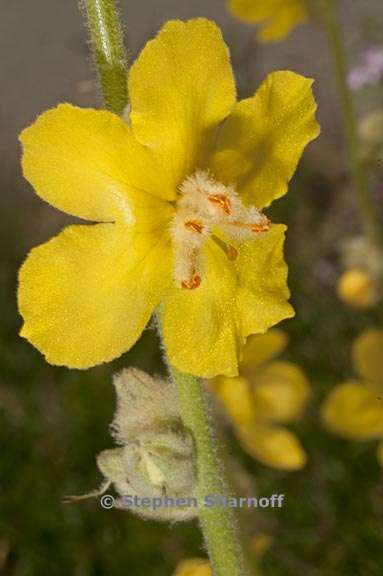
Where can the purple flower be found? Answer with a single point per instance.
(370, 70)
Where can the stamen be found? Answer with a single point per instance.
(261, 227)
(194, 282)
(229, 250)
(193, 225)
(264, 227)
(222, 200)
(205, 207)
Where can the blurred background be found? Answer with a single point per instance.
(54, 421)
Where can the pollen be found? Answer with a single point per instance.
(195, 226)
(194, 282)
(222, 200)
(207, 210)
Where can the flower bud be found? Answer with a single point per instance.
(155, 456)
(370, 129)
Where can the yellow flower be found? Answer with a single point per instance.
(276, 17)
(194, 567)
(177, 192)
(266, 394)
(354, 409)
(357, 288)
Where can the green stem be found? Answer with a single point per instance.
(109, 53)
(218, 524)
(364, 199)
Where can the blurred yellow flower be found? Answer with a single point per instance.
(194, 567)
(360, 285)
(267, 393)
(357, 288)
(276, 18)
(354, 409)
(176, 192)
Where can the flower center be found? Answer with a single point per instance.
(205, 205)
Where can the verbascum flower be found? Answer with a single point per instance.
(266, 394)
(177, 193)
(194, 567)
(357, 288)
(276, 18)
(360, 285)
(354, 409)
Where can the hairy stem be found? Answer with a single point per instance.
(365, 202)
(218, 524)
(108, 50)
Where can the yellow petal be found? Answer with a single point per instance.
(281, 392)
(261, 348)
(367, 353)
(181, 87)
(276, 17)
(354, 411)
(236, 396)
(87, 163)
(380, 453)
(357, 288)
(205, 328)
(274, 447)
(87, 294)
(194, 567)
(260, 144)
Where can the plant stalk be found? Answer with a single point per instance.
(218, 524)
(365, 202)
(108, 49)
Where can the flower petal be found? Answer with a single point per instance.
(367, 353)
(87, 294)
(354, 411)
(281, 392)
(87, 163)
(260, 144)
(236, 396)
(275, 447)
(181, 87)
(261, 348)
(277, 17)
(205, 328)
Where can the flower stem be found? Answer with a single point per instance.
(108, 50)
(218, 524)
(364, 199)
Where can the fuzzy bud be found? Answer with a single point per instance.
(155, 456)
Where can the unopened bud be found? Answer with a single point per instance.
(155, 457)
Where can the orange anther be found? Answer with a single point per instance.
(196, 226)
(194, 282)
(253, 227)
(261, 227)
(222, 200)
